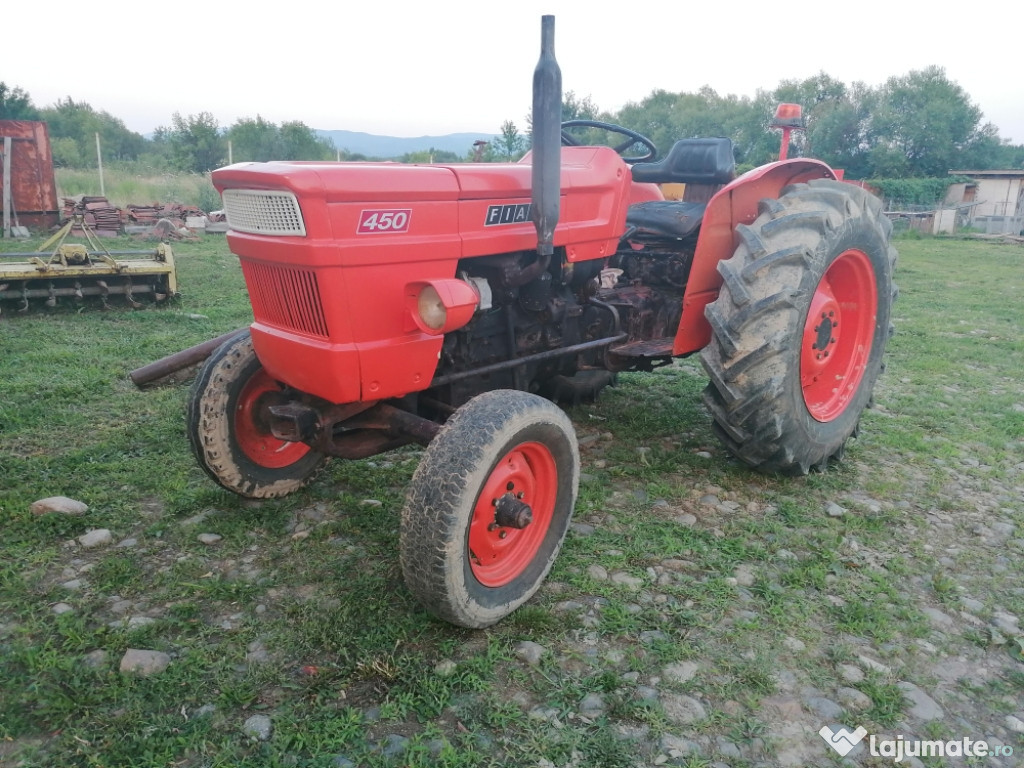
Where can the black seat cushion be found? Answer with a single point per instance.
(664, 219)
(691, 161)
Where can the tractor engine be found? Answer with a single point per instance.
(531, 306)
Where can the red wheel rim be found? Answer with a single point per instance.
(498, 554)
(838, 335)
(252, 435)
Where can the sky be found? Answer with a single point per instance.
(432, 68)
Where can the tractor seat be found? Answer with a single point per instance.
(691, 161)
(703, 165)
(664, 219)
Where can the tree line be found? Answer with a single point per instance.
(920, 124)
(193, 143)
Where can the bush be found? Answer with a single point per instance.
(209, 198)
(907, 192)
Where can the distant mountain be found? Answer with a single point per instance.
(371, 145)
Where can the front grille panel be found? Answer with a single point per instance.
(285, 297)
(263, 212)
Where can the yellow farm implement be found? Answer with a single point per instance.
(58, 269)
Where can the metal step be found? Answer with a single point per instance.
(645, 349)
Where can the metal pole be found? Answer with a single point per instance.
(99, 164)
(165, 366)
(8, 198)
(230, 156)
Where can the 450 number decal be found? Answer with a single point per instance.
(379, 221)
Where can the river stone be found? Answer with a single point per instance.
(853, 699)
(96, 538)
(680, 672)
(681, 709)
(530, 652)
(922, 706)
(627, 580)
(592, 705)
(258, 727)
(144, 663)
(62, 505)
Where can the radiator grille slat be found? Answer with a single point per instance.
(286, 297)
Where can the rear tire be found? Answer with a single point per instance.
(456, 559)
(800, 326)
(226, 432)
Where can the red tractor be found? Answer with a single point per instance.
(450, 305)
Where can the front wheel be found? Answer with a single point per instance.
(800, 326)
(489, 506)
(228, 431)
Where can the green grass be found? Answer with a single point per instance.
(123, 187)
(351, 657)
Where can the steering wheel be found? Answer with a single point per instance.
(633, 137)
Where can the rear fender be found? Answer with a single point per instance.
(736, 203)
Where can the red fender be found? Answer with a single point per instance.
(734, 204)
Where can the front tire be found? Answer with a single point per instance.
(501, 448)
(800, 326)
(227, 432)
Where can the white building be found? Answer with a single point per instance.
(999, 198)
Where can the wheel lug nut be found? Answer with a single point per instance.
(502, 534)
(818, 356)
(493, 526)
(520, 494)
(510, 486)
(831, 314)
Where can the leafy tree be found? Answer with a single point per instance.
(666, 117)
(255, 140)
(575, 108)
(73, 127)
(510, 145)
(923, 124)
(1005, 155)
(300, 142)
(16, 104)
(196, 142)
(260, 140)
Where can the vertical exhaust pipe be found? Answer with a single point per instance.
(547, 142)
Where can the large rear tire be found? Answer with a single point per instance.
(501, 454)
(800, 326)
(227, 431)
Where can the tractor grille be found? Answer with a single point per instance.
(263, 212)
(287, 298)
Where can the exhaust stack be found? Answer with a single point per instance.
(547, 143)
